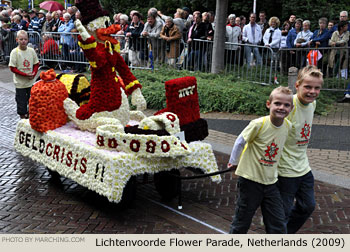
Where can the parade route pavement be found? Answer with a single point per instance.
(32, 202)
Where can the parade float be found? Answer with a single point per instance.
(86, 132)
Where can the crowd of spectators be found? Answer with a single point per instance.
(174, 39)
(50, 33)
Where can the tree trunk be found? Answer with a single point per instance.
(218, 63)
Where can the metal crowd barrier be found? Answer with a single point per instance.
(251, 62)
(7, 44)
(61, 50)
(257, 64)
(332, 61)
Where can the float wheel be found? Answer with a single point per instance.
(167, 185)
(129, 193)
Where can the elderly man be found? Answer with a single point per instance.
(152, 30)
(49, 23)
(343, 16)
(71, 12)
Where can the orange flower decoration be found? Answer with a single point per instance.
(46, 111)
(105, 33)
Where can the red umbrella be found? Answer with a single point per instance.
(51, 6)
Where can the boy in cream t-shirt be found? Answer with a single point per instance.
(24, 64)
(257, 151)
(295, 179)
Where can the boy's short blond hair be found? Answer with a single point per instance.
(309, 71)
(21, 32)
(280, 90)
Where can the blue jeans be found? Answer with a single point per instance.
(248, 51)
(195, 60)
(251, 195)
(302, 189)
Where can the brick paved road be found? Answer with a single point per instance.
(30, 202)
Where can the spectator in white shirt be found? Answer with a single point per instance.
(302, 41)
(272, 36)
(233, 32)
(252, 36)
(304, 36)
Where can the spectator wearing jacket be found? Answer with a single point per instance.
(292, 34)
(66, 40)
(320, 36)
(330, 25)
(49, 23)
(320, 39)
(302, 41)
(233, 33)
(195, 48)
(56, 16)
(42, 19)
(264, 25)
(178, 19)
(133, 33)
(172, 36)
(152, 30)
(49, 50)
(272, 36)
(343, 16)
(284, 33)
(292, 20)
(252, 36)
(338, 57)
(292, 54)
(16, 25)
(34, 25)
(123, 22)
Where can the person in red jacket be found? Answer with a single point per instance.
(49, 50)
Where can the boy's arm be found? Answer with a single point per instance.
(35, 69)
(236, 152)
(16, 71)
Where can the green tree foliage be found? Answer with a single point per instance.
(306, 9)
(312, 10)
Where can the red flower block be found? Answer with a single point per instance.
(182, 99)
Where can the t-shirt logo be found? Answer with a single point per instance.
(271, 151)
(305, 131)
(26, 63)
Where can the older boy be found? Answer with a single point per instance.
(24, 64)
(295, 179)
(263, 141)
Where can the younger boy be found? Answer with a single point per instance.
(24, 64)
(263, 141)
(295, 179)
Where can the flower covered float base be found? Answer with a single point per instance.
(73, 153)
